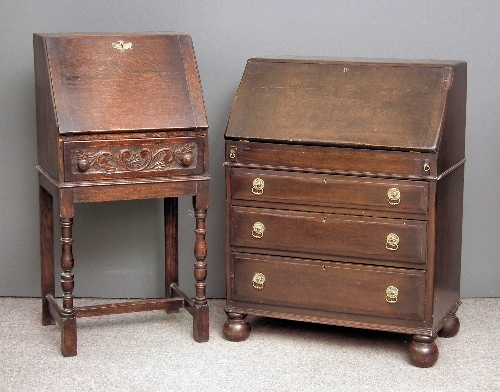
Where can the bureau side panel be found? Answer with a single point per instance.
(448, 244)
(452, 143)
(228, 234)
(46, 122)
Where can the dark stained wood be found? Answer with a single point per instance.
(304, 233)
(128, 307)
(155, 79)
(350, 103)
(132, 158)
(119, 117)
(332, 160)
(423, 351)
(327, 190)
(46, 252)
(344, 188)
(171, 221)
(450, 328)
(347, 288)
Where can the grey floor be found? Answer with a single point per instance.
(154, 351)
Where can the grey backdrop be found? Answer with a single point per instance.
(118, 246)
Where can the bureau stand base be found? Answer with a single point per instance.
(423, 351)
(175, 298)
(66, 318)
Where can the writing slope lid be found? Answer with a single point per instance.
(344, 103)
(107, 83)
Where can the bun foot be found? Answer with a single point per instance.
(236, 328)
(450, 328)
(423, 351)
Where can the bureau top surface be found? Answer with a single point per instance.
(115, 82)
(343, 102)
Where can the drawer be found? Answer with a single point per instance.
(329, 190)
(332, 235)
(332, 160)
(132, 158)
(339, 287)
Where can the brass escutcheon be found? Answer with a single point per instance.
(258, 280)
(258, 186)
(392, 241)
(122, 46)
(394, 196)
(258, 230)
(391, 294)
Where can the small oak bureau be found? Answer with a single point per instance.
(119, 117)
(344, 183)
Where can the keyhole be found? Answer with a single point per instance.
(324, 219)
(323, 267)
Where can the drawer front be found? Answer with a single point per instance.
(132, 158)
(340, 287)
(328, 190)
(332, 235)
(333, 160)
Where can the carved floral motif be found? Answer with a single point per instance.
(134, 159)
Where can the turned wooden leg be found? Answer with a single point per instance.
(170, 212)
(450, 328)
(200, 315)
(236, 328)
(68, 327)
(423, 351)
(46, 252)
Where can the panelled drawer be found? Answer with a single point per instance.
(327, 190)
(333, 235)
(340, 287)
(131, 158)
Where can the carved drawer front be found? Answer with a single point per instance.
(340, 287)
(328, 190)
(132, 158)
(331, 235)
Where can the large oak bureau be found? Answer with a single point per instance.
(344, 183)
(119, 117)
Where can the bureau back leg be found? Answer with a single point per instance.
(450, 328)
(46, 252)
(170, 211)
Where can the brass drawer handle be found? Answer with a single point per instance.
(392, 242)
(258, 230)
(258, 280)
(258, 186)
(391, 294)
(394, 196)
